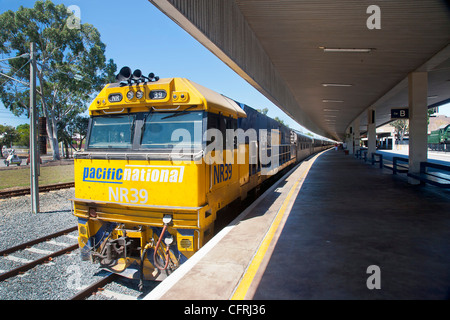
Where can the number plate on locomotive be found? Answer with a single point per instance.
(158, 94)
(115, 97)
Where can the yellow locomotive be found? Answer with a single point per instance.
(162, 158)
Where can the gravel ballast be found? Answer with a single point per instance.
(65, 275)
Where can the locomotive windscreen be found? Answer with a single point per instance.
(112, 132)
(165, 130)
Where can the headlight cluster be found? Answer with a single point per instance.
(131, 94)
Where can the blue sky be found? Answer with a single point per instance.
(138, 35)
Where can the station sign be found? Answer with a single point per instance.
(399, 113)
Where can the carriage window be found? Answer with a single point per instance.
(111, 132)
(173, 129)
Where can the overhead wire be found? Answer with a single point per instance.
(25, 55)
(11, 77)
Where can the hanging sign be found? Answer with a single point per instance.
(399, 113)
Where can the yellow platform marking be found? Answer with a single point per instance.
(249, 275)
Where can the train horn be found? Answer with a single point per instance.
(151, 77)
(124, 74)
(137, 75)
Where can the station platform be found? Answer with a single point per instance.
(319, 232)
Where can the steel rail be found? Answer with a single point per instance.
(36, 262)
(94, 287)
(36, 241)
(46, 188)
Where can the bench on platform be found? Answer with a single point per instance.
(378, 156)
(364, 155)
(359, 153)
(397, 165)
(439, 178)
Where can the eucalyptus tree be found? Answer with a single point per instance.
(71, 63)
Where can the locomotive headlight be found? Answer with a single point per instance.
(82, 230)
(130, 95)
(185, 243)
(139, 94)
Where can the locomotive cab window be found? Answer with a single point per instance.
(223, 124)
(112, 132)
(163, 130)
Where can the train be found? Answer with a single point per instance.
(439, 139)
(163, 160)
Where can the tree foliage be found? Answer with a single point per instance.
(8, 135)
(280, 121)
(79, 128)
(263, 111)
(401, 128)
(74, 133)
(71, 64)
(23, 132)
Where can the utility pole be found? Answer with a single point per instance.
(34, 152)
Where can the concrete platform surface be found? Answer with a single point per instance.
(216, 269)
(333, 229)
(349, 216)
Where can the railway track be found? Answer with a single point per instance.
(88, 291)
(46, 188)
(33, 263)
(98, 287)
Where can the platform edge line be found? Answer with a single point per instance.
(244, 285)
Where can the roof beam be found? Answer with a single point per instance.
(212, 23)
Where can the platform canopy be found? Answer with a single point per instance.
(326, 62)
